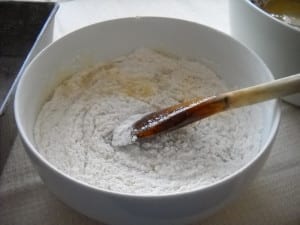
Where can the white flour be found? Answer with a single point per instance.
(74, 128)
(122, 134)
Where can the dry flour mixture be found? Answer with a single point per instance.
(74, 128)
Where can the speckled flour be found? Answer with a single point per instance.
(74, 128)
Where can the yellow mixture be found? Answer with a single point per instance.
(285, 10)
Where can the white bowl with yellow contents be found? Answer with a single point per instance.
(234, 63)
(275, 41)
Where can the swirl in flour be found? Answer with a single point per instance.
(74, 128)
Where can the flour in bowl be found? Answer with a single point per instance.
(75, 127)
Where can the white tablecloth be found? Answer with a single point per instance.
(274, 196)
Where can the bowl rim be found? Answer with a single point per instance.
(32, 150)
(268, 15)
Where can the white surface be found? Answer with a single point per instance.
(274, 196)
(78, 13)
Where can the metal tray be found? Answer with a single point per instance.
(25, 29)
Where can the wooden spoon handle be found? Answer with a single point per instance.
(262, 92)
(190, 111)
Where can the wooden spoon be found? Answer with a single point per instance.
(187, 112)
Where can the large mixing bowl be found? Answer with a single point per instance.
(237, 65)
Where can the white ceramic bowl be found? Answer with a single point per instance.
(237, 65)
(276, 42)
